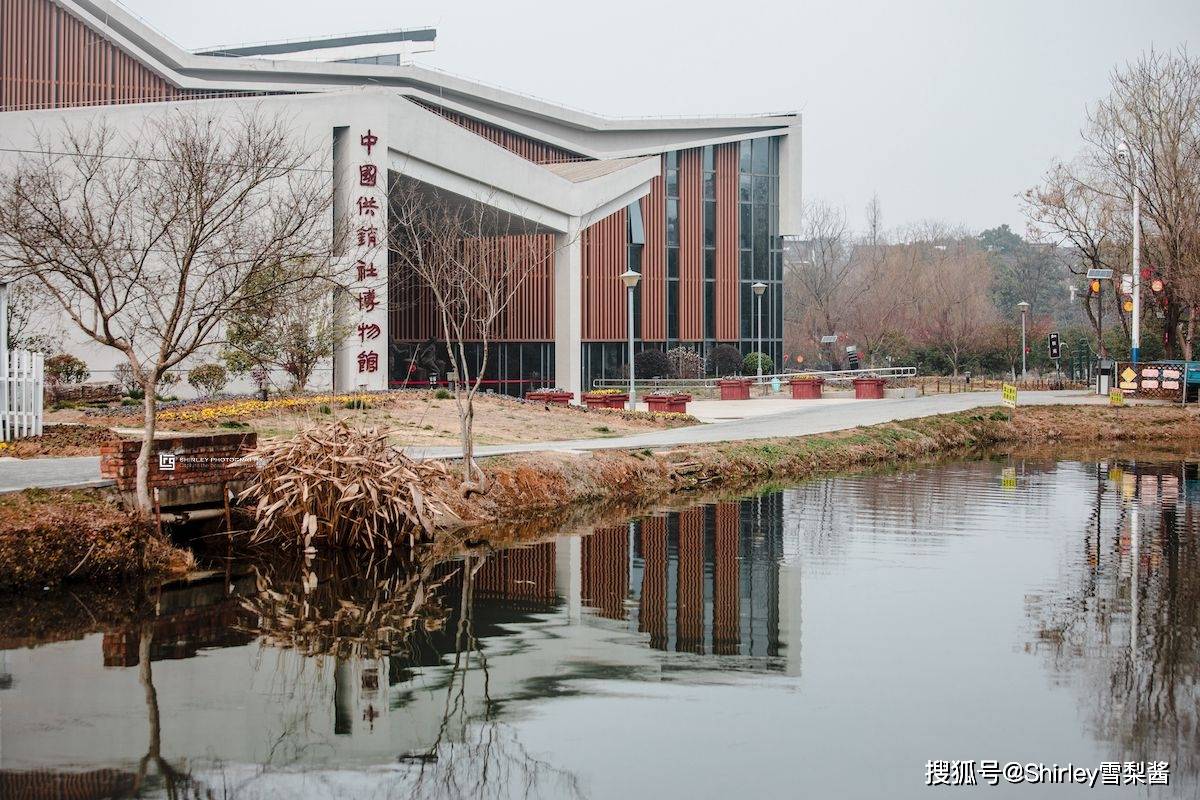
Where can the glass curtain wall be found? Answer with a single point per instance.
(760, 245)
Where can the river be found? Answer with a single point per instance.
(860, 636)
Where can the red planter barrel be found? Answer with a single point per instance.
(868, 388)
(553, 398)
(668, 403)
(605, 400)
(734, 388)
(809, 389)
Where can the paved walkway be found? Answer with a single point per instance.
(800, 419)
(76, 472)
(793, 418)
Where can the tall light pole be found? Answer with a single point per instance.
(759, 288)
(630, 279)
(3, 361)
(1024, 311)
(1135, 335)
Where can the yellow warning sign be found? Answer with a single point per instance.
(1008, 395)
(1128, 375)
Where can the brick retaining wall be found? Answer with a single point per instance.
(203, 459)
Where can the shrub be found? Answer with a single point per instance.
(724, 360)
(65, 369)
(750, 365)
(442, 394)
(652, 364)
(123, 375)
(208, 379)
(324, 409)
(686, 362)
(356, 404)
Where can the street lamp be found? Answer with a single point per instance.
(759, 288)
(1135, 333)
(3, 361)
(1024, 311)
(630, 279)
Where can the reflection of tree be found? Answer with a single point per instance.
(1128, 624)
(474, 757)
(175, 783)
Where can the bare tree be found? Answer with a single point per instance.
(147, 242)
(879, 301)
(473, 260)
(1145, 133)
(955, 309)
(819, 274)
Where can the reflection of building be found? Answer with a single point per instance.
(699, 206)
(709, 582)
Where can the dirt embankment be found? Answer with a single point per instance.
(551, 484)
(48, 537)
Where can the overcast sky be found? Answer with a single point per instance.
(946, 109)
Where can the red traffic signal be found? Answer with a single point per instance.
(1156, 285)
(1146, 273)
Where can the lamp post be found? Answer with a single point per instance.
(630, 279)
(1024, 311)
(759, 287)
(3, 361)
(1135, 331)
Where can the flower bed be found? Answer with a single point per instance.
(675, 403)
(806, 387)
(554, 397)
(868, 388)
(734, 388)
(605, 398)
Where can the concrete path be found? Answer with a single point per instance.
(76, 472)
(800, 419)
(788, 418)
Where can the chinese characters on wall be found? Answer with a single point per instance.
(368, 210)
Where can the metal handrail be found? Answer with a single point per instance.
(828, 375)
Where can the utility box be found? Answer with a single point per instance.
(1104, 376)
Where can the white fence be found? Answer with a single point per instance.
(21, 375)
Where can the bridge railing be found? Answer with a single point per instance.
(703, 387)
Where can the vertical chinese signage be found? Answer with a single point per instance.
(367, 208)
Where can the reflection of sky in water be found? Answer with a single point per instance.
(827, 640)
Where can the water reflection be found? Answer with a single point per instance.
(967, 582)
(1122, 627)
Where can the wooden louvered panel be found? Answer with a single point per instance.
(524, 146)
(691, 246)
(728, 302)
(605, 257)
(654, 262)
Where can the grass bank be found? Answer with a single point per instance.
(555, 484)
(49, 537)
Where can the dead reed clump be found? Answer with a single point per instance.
(336, 486)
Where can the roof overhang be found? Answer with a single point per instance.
(579, 131)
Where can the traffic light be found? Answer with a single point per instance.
(1094, 286)
(1127, 305)
(1055, 349)
(1156, 285)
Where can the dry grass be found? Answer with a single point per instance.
(549, 484)
(412, 418)
(49, 537)
(337, 486)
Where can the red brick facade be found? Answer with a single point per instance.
(206, 459)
